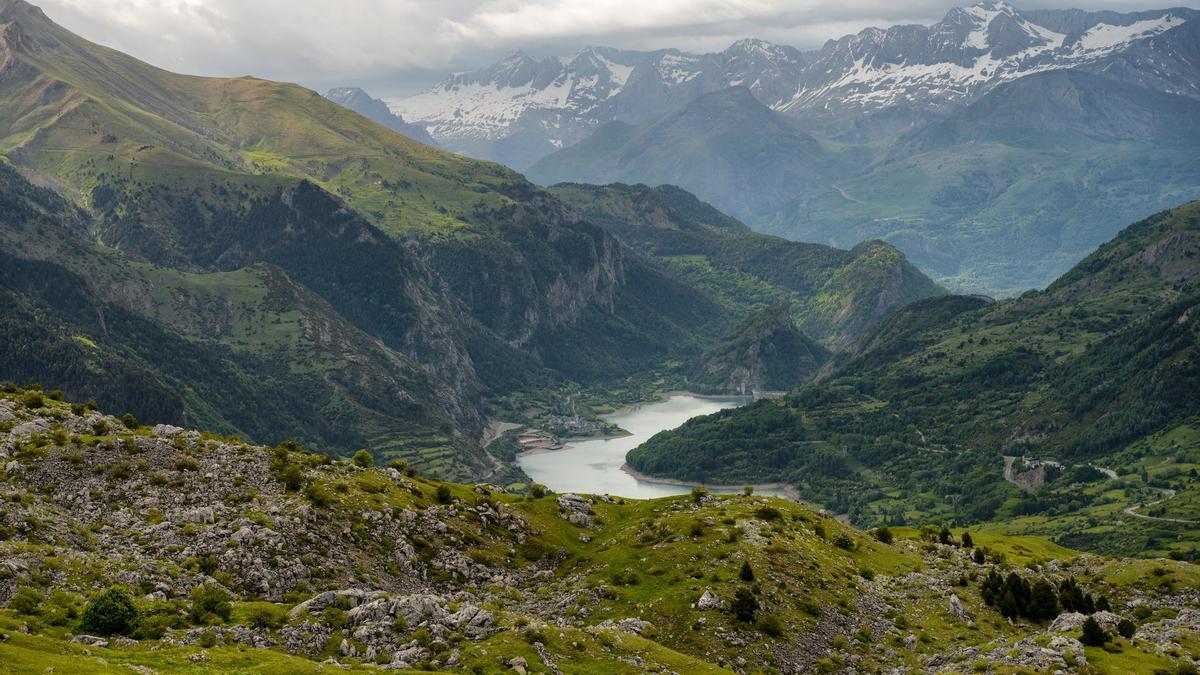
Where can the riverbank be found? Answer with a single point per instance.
(788, 490)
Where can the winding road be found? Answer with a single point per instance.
(1167, 494)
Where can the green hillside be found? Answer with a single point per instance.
(158, 548)
(834, 295)
(916, 421)
(183, 348)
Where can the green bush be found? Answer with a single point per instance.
(1126, 628)
(884, 535)
(442, 495)
(291, 476)
(537, 490)
(110, 613)
(129, 421)
(25, 601)
(768, 513)
(33, 399)
(318, 495)
(334, 617)
(268, 616)
(1093, 634)
(770, 625)
(210, 605)
(363, 459)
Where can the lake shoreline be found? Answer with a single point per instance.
(593, 465)
(788, 490)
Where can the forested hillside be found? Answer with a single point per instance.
(1100, 369)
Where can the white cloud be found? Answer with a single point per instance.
(320, 43)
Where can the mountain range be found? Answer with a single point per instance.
(856, 86)
(919, 136)
(306, 253)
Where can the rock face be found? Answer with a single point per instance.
(575, 509)
(765, 353)
(709, 601)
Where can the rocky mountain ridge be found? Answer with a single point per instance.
(864, 85)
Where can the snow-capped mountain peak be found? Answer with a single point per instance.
(530, 106)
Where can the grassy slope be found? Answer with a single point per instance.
(836, 593)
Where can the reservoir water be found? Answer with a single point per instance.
(593, 466)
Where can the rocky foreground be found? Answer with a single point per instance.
(239, 557)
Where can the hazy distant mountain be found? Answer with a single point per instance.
(522, 109)
(377, 111)
(1012, 190)
(726, 146)
(995, 179)
(876, 82)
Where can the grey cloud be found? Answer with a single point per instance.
(393, 45)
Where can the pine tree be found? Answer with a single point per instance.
(1043, 602)
(747, 573)
(1093, 634)
(745, 606)
(967, 542)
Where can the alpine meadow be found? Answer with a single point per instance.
(517, 353)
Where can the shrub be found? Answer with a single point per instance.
(110, 613)
(129, 421)
(265, 615)
(442, 495)
(55, 395)
(318, 495)
(770, 625)
(537, 490)
(153, 627)
(210, 605)
(292, 477)
(746, 573)
(207, 639)
(768, 513)
(1093, 634)
(967, 542)
(843, 541)
(745, 605)
(33, 399)
(979, 557)
(25, 601)
(334, 617)
(1126, 628)
(363, 459)
(699, 493)
(884, 535)
(748, 490)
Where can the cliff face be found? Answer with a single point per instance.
(766, 353)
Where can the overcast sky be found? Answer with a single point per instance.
(392, 47)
